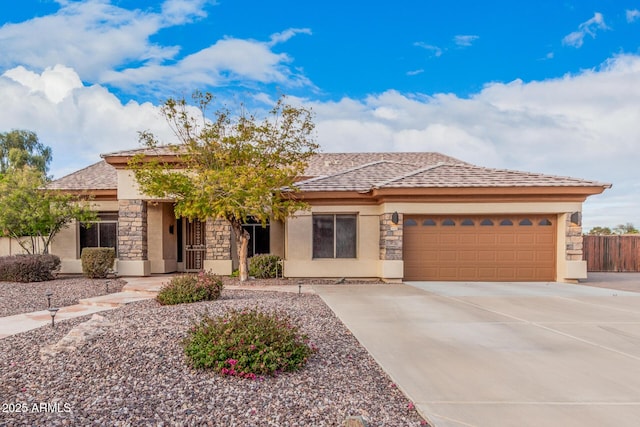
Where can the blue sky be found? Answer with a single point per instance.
(547, 86)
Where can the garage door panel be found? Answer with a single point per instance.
(448, 239)
(505, 256)
(486, 256)
(543, 239)
(526, 256)
(523, 251)
(447, 255)
(506, 239)
(468, 256)
(487, 239)
(526, 239)
(468, 239)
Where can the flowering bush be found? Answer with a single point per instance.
(247, 344)
(187, 288)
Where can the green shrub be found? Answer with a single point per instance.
(28, 268)
(97, 263)
(188, 288)
(247, 344)
(265, 266)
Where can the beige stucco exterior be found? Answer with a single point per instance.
(293, 240)
(298, 237)
(163, 242)
(151, 239)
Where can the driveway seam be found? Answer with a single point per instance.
(541, 326)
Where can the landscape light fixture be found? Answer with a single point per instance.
(52, 312)
(299, 288)
(49, 294)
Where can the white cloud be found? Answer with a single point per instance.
(79, 122)
(287, 34)
(88, 36)
(582, 125)
(226, 62)
(633, 15)
(177, 12)
(415, 72)
(434, 49)
(589, 27)
(99, 40)
(465, 40)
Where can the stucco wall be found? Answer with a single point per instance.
(298, 237)
(162, 251)
(299, 245)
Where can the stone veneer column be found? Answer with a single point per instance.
(391, 267)
(390, 238)
(132, 230)
(574, 240)
(218, 238)
(132, 238)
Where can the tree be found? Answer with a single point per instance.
(600, 231)
(233, 167)
(20, 148)
(31, 214)
(627, 228)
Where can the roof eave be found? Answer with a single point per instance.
(457, 194)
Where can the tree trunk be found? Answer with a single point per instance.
(242, 244)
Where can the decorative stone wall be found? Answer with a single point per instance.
(573, 239)
(132, 230)
(390, 238)
(218, 237)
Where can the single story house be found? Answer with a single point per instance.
(393, 216)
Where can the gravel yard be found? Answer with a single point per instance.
(136, 374)
(16, 298)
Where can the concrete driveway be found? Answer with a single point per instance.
(503, 354)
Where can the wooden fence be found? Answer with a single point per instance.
(612, 253)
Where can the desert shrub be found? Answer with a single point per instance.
(264, 266)
(247, 344)
(51, 262)
(188, 288)
(97, 263)
(28, 268)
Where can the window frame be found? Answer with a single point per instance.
(334, 239)
(103, 218)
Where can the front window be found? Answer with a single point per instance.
(258, 237)
(102, 233)
(334, 236)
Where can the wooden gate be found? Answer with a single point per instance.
(195, 248)
(612, 253)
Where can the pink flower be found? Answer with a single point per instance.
(410, 405)
(232, 362)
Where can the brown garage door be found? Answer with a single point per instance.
(480, 248)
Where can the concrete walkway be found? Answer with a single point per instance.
(503, 354)
(136, 289)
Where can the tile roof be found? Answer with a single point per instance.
(386, 174)
(98, 176)
(358, 172)
(161, 150)
(447, 175)
(323, 164)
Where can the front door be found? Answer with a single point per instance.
(195, 247)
